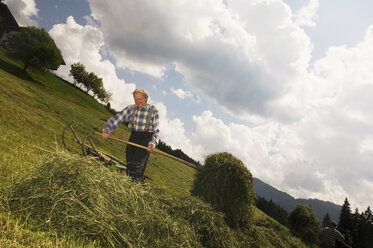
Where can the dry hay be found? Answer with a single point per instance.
(227, 184)
(80, 198)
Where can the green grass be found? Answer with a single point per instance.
(34, 109)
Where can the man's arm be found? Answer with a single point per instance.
(114, 122)
(155, 127)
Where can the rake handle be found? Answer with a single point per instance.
(156, 151)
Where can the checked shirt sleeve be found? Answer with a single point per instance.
(122, 116)
(155, 128)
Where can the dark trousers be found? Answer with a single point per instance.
(136, 156)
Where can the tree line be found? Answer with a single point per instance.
(302, 222)
(356, 227)
(272, 209)
(177, 153)
(91, 82)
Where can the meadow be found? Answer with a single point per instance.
(51, 197)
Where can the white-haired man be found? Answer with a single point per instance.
(143, 122)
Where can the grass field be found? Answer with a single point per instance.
(34, 109)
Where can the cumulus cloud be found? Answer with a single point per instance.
(182, 94)
(328, 153)
(186, 94)
(23, 11)
(173, 133)
(306, 15)
(227, 51)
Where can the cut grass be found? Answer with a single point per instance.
(80, 197)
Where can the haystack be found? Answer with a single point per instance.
(82, 199)
(226, 183)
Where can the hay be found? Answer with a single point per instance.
(226, 183)
(80, 198)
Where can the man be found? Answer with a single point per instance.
(143, 122)
(330, 235)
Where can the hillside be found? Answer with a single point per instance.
(41, 182)
(288, 202)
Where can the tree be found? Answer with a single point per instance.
(104, 96)
(326, 220)
(35, 48)
(345, 217)
(304, 224)
(78, 72)
(367, 228)
(90, 81)
(345, 221)
(271, 209)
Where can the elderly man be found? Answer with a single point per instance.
(143, 122)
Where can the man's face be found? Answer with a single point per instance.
(140, 100)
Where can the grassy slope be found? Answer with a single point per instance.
(35, 107)
(34, 112)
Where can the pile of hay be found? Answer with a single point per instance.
(81, 198)
(227, 184)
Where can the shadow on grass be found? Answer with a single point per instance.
(15, 70)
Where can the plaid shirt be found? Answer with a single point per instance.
(136, 119)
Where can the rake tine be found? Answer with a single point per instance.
(69, 126)
(85, 147)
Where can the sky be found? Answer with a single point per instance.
(284, 85)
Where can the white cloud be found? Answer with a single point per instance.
(328, 153)
(228, 53)
(23, 11)
(306, 15)
(173, 133)
(182, 94)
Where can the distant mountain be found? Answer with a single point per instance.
(288, 202)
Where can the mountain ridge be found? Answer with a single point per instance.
(288, 202)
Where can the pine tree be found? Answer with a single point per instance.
(326, 220)
(356, 229)
(367, 228)
(345, 221)
(345, 217)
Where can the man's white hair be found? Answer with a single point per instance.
(142, 92)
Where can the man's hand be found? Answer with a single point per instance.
(150, 148)
(105, 134)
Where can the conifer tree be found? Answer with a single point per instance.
(345, 217)
(367, 228)
(345, 221)
(356, 229)
(326, 220)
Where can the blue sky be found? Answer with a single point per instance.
(284, 85)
